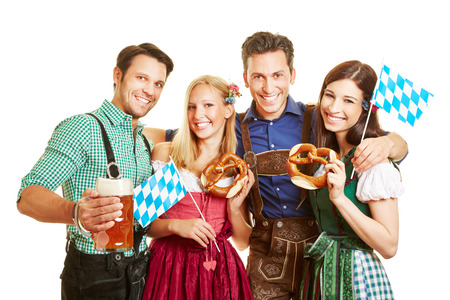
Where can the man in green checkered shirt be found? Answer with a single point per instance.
(75, 157)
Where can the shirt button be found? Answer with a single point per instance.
(271, 146)
(284, 206)
(127, 119)
(278, 189)
(271, 123)
(255, 119)
(279, 224)
(128, 136)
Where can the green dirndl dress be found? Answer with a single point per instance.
(339, 265)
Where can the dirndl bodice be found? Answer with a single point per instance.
(214, 209)
(180, 268)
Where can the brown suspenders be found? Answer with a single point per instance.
(114, 172)
(251, 158)
(270, 162)
(306, 127)
(306, 138)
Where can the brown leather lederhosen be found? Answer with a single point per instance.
(275, 263)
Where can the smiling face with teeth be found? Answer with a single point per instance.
(268, 76)
(138, 90)
(341, 106)
(207, 113)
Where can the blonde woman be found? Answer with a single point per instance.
(185, 263)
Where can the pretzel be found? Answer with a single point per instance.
(314, 155)
(219, 169)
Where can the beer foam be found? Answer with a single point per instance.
(114, 187)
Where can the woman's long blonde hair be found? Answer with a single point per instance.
(184, 147)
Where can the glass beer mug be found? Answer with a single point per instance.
(118, 238)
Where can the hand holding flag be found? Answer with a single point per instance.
(159, 193)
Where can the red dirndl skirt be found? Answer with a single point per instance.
(177, 270)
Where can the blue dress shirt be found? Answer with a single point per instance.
(280, 196)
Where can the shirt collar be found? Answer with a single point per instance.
(116, 116)
(290, 108)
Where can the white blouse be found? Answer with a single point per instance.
(382, 181)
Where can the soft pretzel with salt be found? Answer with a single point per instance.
(314, 155)
(227, 161)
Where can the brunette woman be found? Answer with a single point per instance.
(357, 215)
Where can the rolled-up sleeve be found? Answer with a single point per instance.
(65, 153)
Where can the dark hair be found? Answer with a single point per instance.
(127, 55)
(365, 79)
(262, 42)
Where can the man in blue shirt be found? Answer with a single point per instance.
(272, 124)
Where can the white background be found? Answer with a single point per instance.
(57, 59)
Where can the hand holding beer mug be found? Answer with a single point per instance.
(119, 238)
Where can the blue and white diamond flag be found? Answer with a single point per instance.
(399, 96)
(157, 194)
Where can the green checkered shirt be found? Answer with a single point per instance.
(75, 157)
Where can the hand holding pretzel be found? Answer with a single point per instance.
(214, 172)
(314, 155)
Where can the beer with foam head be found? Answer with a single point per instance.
(118, 238)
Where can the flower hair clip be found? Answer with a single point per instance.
(233, 92)
(366, 105)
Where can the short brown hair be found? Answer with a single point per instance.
(127, 55)
(263, 42)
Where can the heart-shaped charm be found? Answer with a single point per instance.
(213, 264)
(207, 265)
(210, 265)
